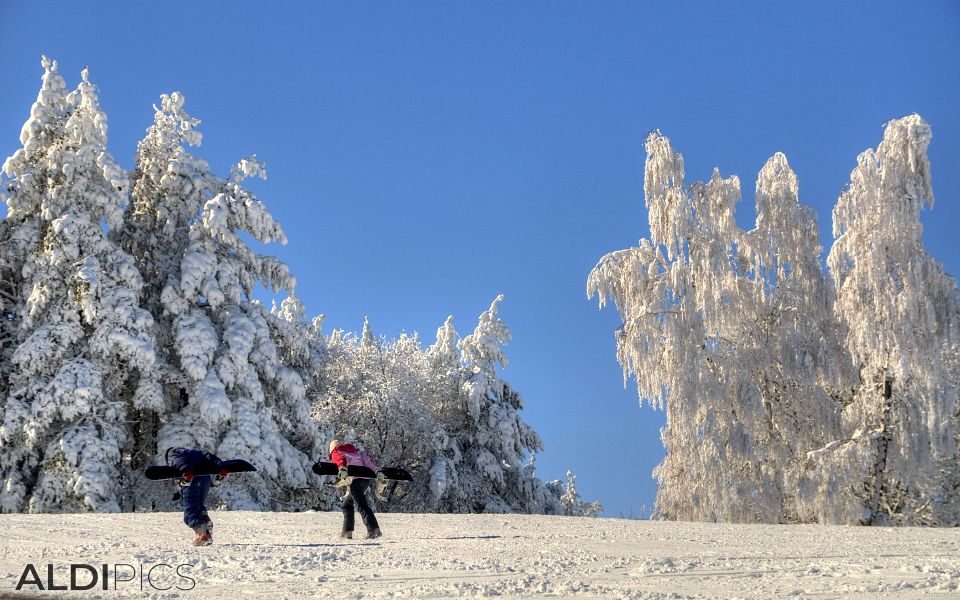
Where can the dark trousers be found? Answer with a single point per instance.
(358, 496)
(194, 500)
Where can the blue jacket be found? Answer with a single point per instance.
(189, 459)
(194, 496)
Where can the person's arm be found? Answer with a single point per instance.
(216, 463)
(341, 461)
(178, 458)
(381, 478)
(368, 462)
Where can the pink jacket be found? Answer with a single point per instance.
(348, 454)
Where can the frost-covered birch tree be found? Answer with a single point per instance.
(684, 297)
(84, 348)
(790, 345)
(736, 334)
(390, 408)
(376, 393)
(896, 458)
(226, 386)
(443, 414)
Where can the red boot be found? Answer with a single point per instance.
(204, 534)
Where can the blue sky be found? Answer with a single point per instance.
(425, 157)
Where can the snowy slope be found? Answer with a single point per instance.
(275, 555)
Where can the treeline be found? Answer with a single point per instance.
(130, 326)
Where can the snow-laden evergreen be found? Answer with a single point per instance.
(572, 505)
(83, 355)
(450, 410)
(772, 383)
(228, 387)
(497, 442)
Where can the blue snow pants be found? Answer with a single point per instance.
(193, 497)
(194, 500)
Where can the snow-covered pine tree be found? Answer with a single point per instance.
(448, 407)
(168, 186)
(226, 387)
(497, 441)
(571, 504)
(896, 459)
(290, 332)
(84, 348)
(18, 232)
(10, 279)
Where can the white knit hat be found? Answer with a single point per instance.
(334, 444)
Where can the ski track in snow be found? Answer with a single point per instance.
(295, 555)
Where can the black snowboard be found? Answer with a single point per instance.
(391, 473)
(157, 472)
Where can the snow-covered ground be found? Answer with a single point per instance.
(277, 555)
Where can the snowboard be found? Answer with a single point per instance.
(158, 472)
(391, 473)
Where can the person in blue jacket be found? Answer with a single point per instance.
(194, 488)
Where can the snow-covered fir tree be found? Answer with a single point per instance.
(449, 407)
(738, 335)
(226, 386)
(572, 505)
(83, 352)
(496, 442)
(168, 185)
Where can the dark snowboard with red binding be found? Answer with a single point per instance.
(158, 472)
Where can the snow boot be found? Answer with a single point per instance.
(347, 535)
(374, 533)
(204, 534)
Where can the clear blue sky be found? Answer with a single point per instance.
(425, 157)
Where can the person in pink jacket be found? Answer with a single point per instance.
(344, 455)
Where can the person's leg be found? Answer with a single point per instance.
(358, 491)
(192, 503)
(204, 492)
(348, 513)
(193, 498)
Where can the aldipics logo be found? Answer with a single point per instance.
(161, 577)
